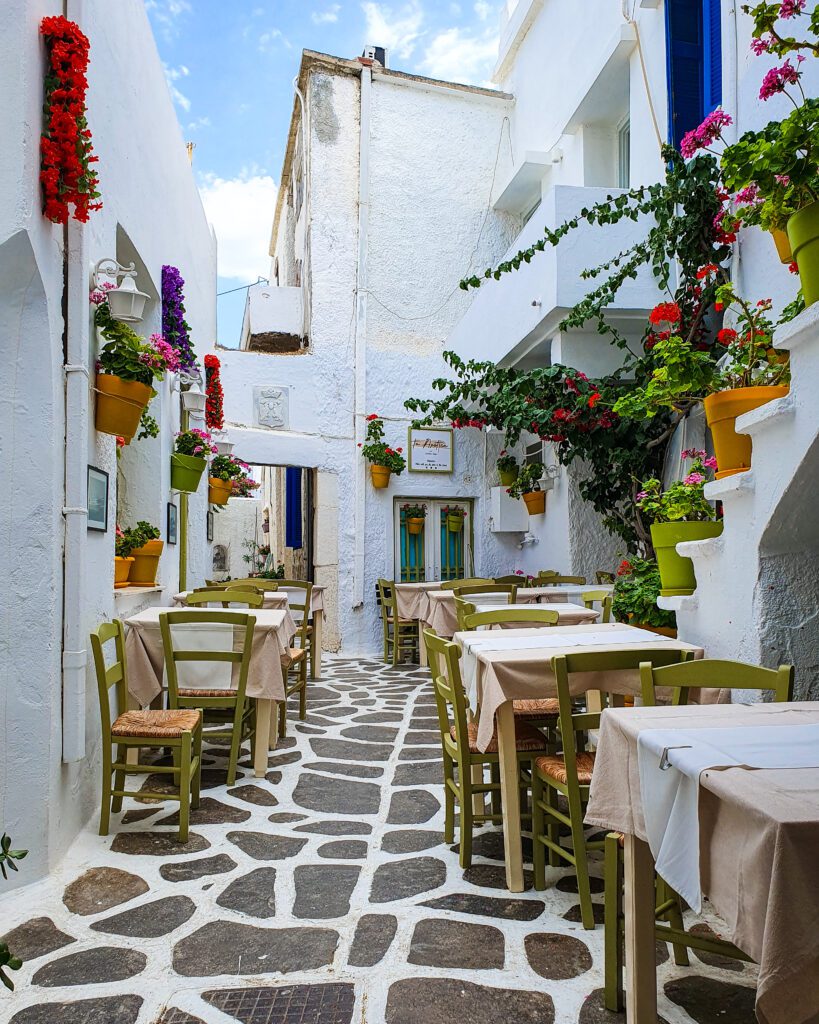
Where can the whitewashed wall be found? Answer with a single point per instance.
(152, 206)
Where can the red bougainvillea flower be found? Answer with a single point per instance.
(67, 177)
(726, 336)
(594, 399)
(707, 271)
(665, 312)
(372, 416)
(214, 411)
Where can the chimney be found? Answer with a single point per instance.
(376, 53)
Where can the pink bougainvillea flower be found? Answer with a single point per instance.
(777, 79)
(749, 194)
(693, 453)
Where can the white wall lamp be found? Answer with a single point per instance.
(125, 300)
(193, 400)
(223, 445)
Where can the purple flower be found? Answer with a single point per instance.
(175, 328)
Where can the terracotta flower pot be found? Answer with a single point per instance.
(120, 404)
(146, 563)
(219, 491)
(380, 476)
(508, 476)
(535, 502)
(733, 450)
(415, 524)
(122, 568)
(668, 631)
(783, 245)
(186, 472)
(803, 234)
(455, 524)
(677, 571)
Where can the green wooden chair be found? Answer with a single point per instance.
(569, 774)
(298, 601)
(603, 597)
(460, 750)
(510, 589)
(604, 577)
(707, 673)
(462, 609)
(179, 730)
(400, 635)
(530, 616)
(251, 582)
(549, 578)
(519, 581)
(204, 596)
(468, 582)
(228, 710)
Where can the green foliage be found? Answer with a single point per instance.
(194, 442)
(506, 462)
(377, 452)
(258, 557)
(8, 961)
(636, 589)
(682, 374)
(148, 427)
(528, 480)
(766, 18)
(414, 511)
(228, 467)
(684, 500)
(125, 353)
(134, 537)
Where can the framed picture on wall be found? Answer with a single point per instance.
(210, 526)
(173, 523)
(430, 449)
(97, 499)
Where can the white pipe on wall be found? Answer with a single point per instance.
(361, 329)
(305, 164)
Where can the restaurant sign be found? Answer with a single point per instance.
(430, 450)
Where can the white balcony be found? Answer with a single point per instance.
(515, 320)
(273, 320)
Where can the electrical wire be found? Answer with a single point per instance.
(244, 287)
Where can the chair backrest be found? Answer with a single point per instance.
(713, 673)
(604, 577)
(225, 597)
(299, 600)
(240, 621)
(591, 597)
(462, 609)
(511, 589)
(565, 665)
(450, 698)
(116, 674)
(469, 581)
(387, 601)
(519, 581)
(549, 577)
(530, 616)
(254, 582)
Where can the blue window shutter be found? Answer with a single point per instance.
(292, 507)
(712, 52)
(684, 55)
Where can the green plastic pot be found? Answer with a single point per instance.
(455, 524)
(508, 476)
(186, 472)
(676, 571)
(803, 234)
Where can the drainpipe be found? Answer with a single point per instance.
(75, 498)
(305, 165)
(184, 424)
(360, 371)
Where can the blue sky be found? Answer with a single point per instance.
(230, 66)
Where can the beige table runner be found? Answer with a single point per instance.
(271, 642)
(409, 597)
(272, 599)
(759, 837)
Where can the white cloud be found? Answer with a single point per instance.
(456, 55)
(269, 39)
(200, 122)
(327, 17)
(166, 14)
(172, 76)
(397, 30)
(241, 212)
(484, 10)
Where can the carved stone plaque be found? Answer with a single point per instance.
(271, 407)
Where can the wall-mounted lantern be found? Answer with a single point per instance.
(193, 400)
(125, 300)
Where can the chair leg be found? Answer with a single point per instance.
(612, 927)
(303, 689)
(185, 755)
(283, 718)
(176, 775)
(235, 744)
(494, 772)
(196, 782)
(105, 799)
(553, 826)
(119, 779)
(581, 860)
(449, 801)
(538, 828)
(466, 826)
(674, 916)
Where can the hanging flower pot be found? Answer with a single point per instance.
(380, 476)
(120, 404)
(733, 450)
(508, 476)
(803, 234)
(122, 568)
(676, 571)
(415, 524)
(219, 491)
(146, 564)
(783, 245)
(186, 472)
(535, 502)
(454, 523)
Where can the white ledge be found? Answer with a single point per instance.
(738, 483)
(681, 603)
(801, 329)
(700, 548)
(778, 409)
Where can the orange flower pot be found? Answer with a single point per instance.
(380, 476)
(219, 491)
(668, 631)
(415, 524)
(783, 245)
(535, 502)
(122, 569)
(146, 563)
(120, 404)
(733, 450)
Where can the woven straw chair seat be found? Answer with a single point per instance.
(526, 738)
(554, 766)
(156, 724)
(546, 707)
(296, 654)
(207, 693)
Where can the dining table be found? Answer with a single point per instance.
(269, 661)
(499, 667)
(279, 599)
(726, 798)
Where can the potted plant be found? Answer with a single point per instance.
(636, 589)
(244, 485)
(455, 516)
(678, 514)
(189, 459)
(383, 460)
(126, 370)
(527, 486)
(507, 468)
(146, 548)
(122, 559)
(414, 517)
(224, 469)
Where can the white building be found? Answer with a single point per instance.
(58, 573)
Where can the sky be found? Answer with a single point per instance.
(230, 66)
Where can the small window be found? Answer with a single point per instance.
(624, 154)
(534, 453)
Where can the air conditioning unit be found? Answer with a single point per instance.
(376, 53)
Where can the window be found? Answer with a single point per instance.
(624, 154)
(694, 63)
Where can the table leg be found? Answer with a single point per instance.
(422, 647)
(264, 714)
(315, 649)
(273, 737)
(510, 796)
(641, 968)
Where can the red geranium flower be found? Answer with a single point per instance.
(665, 312)
(726, 336)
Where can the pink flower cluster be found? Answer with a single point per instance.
(790, 8)
(748, 195)
(707, 460)
(702, 137)
(694, 478)
(98, 295)
(777, 79)
(761, 45)
(163, 357)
